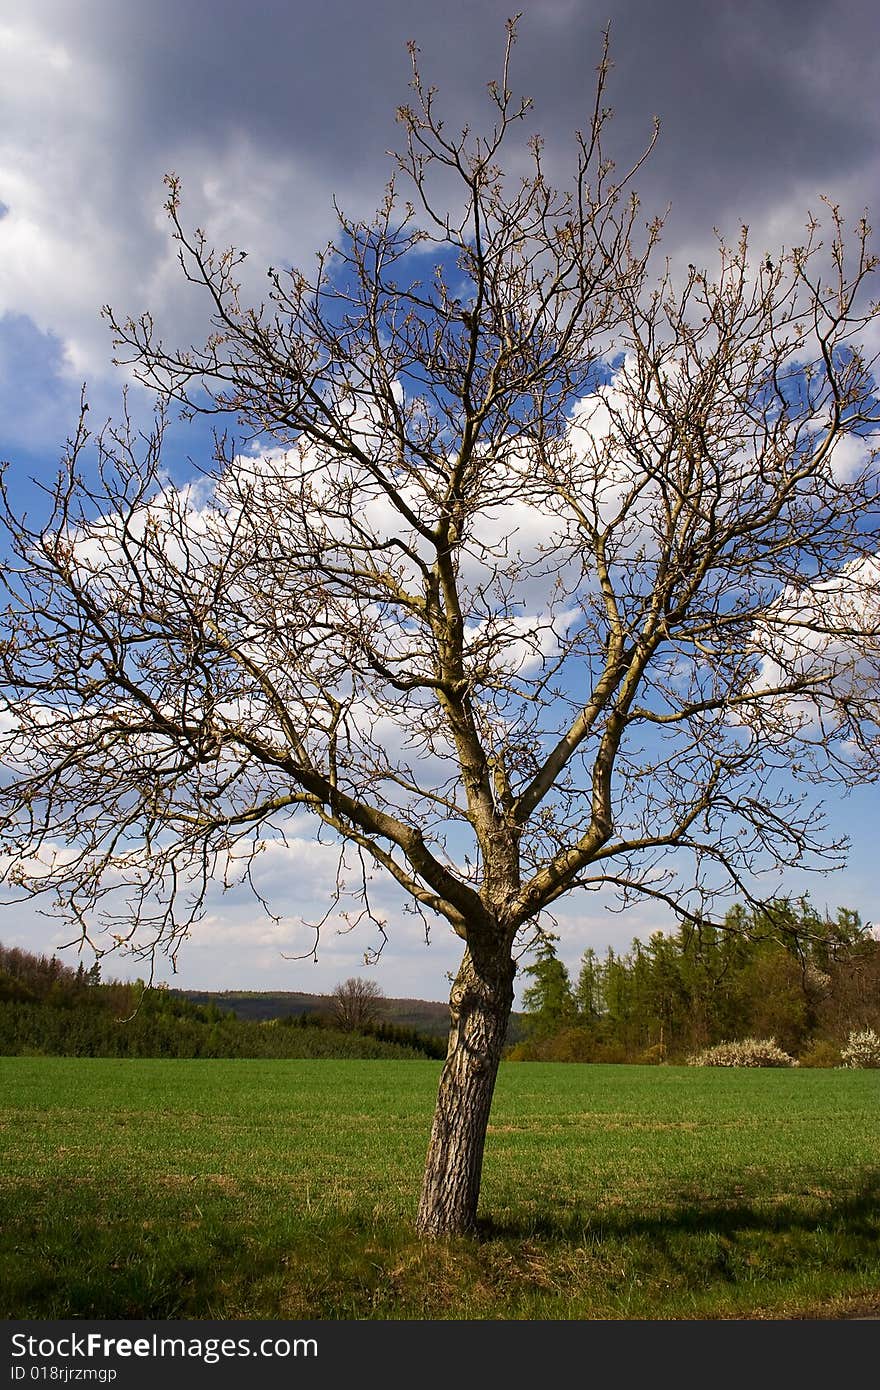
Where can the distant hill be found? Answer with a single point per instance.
(49, 1009)
(424, 1015)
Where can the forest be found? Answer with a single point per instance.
(47, 1008)
(783, 971)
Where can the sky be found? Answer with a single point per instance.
(267, 111)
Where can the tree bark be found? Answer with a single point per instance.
(480, 1004)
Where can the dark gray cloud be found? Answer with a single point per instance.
(269, 109)
(751, 94)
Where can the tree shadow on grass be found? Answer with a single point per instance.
(100, 1259)
(856, 1211)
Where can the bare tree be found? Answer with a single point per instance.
(540, 572)
(356, 1004)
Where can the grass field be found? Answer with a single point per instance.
(264, 1189)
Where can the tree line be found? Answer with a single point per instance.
(48, 1008)
(781, 971)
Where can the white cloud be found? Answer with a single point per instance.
(849, 455)
(829, 631)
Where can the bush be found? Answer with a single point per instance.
(820, 1054)
(747, 1052)
(862, 1049)
(570, 1045)
(613, 1053)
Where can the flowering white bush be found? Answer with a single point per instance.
(747, 1052)
(862, 1049)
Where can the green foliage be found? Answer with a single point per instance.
(401, 1036)
(548, 999)
(820, 1053)
(782, 971)
(47, 1009)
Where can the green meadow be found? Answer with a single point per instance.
(286, 1189)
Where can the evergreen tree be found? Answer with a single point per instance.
(549, 998)
(590, 994)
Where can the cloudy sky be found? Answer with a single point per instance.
(266, 110)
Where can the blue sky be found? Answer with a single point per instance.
(268, 110)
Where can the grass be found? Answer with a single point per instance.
(285, 1189)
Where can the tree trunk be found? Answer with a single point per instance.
(480, 1004)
